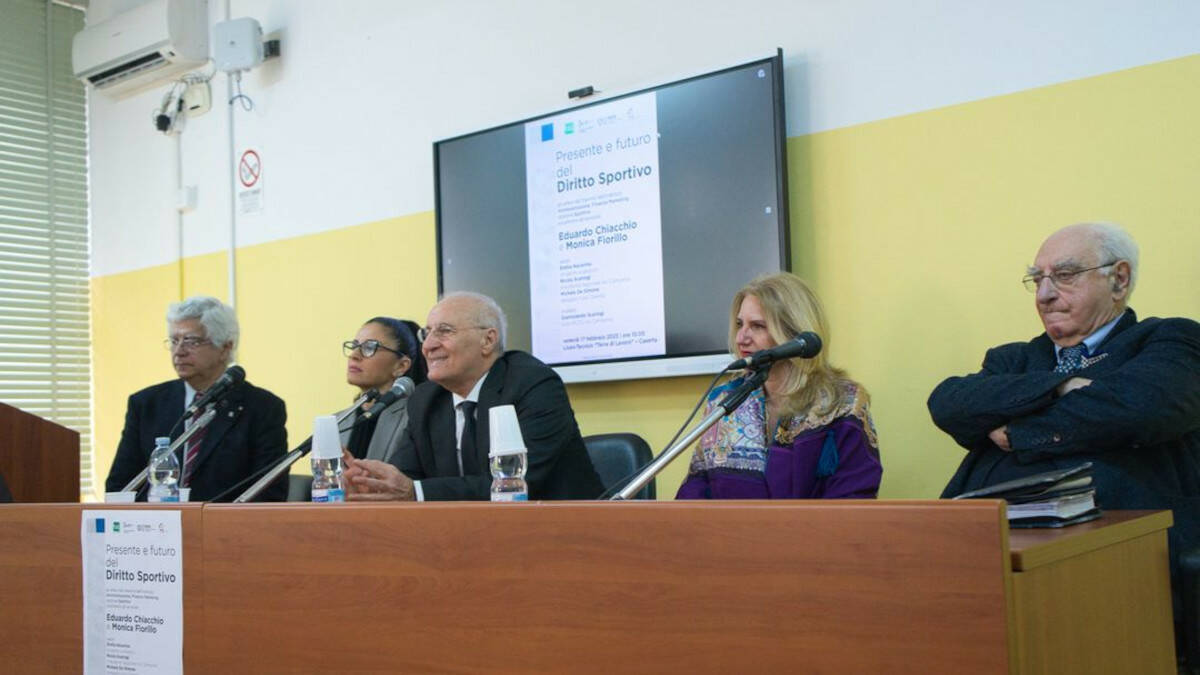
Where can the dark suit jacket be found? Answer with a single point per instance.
(247, 434)
(559, 467)
(1138, 422)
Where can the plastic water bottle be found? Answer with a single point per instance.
(507, 456)
(508, 478)
(163, 472)
(327, 461)
(327, 480)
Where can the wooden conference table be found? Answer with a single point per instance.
(635, 587)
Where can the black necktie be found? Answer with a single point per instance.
(470, 463)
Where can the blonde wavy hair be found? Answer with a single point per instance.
(790, 308)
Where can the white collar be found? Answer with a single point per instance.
(473, 395)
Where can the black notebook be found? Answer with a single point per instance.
(1038, 486)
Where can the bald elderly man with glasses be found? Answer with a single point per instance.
(443, 454)
(1099, 385)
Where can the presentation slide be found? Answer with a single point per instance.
(595, 232)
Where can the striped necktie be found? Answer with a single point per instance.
(192, 449)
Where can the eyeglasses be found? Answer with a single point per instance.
(442, 331)
(367, 348)
(1061, 278)
(188, 342)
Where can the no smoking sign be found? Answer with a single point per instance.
(249, 182)
(249, 168)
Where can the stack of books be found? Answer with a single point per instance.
(1052, 499)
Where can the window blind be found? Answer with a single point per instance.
(45, 339)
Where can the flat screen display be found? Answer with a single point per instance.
(615, 233)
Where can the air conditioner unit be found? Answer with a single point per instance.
(142, 46)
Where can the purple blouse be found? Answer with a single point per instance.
(835, 455)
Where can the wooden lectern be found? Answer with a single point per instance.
(39, 459)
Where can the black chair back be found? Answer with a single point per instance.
(616, 456)
(299, 488)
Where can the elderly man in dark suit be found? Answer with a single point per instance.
(444, 454)
(1097, 386)
(247, 432)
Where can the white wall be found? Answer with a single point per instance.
(345, 120)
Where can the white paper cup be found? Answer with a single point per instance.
(504, 432)
(184, 494)
(120, 497)
(326, 443)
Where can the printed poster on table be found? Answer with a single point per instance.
(132, 591)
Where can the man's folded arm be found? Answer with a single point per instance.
(971, 406)
(1150, 399)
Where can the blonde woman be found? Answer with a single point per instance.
(807, 433)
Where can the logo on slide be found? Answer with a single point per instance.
(548, 132)
(569, 128)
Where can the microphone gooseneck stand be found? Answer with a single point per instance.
(288, 460)
(140, 479)
(732, 401)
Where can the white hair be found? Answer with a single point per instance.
(487, 314)
(1113, 243)
(219, 321)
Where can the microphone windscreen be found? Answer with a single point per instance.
(237, 374)
(811, 342)
(404, 386)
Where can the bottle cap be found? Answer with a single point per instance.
(326, 443)
(162, 440)
(504, 431)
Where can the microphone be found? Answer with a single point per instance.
(232, 377)
(401, 389)
(805, 346)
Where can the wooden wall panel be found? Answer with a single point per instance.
(598, 587)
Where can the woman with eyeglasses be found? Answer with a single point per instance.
(806, 433)
(383, 350)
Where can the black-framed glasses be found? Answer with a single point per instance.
(1059, 278)
(367, 348)
(442, 331)
(188, 342)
